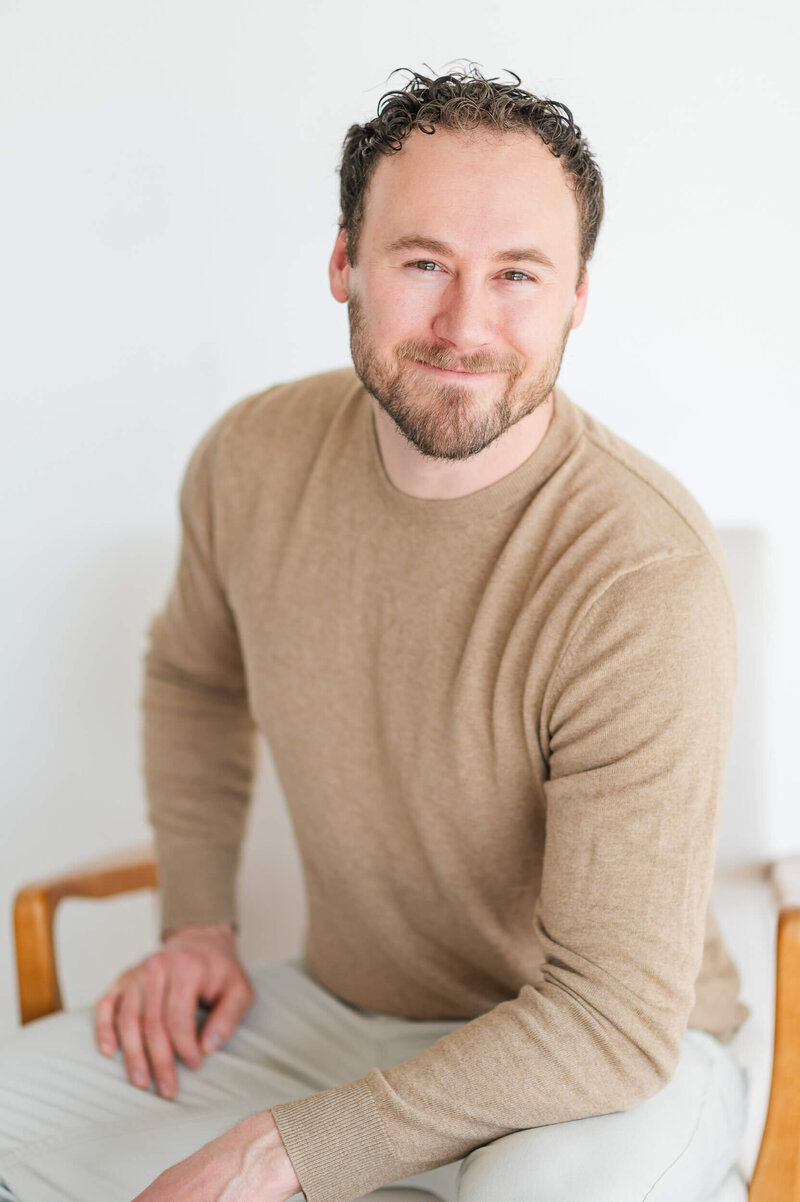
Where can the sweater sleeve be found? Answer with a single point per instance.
(635, 728)
(199, 741)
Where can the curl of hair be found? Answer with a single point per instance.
(465, 101)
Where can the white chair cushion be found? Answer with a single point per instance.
(747, 915)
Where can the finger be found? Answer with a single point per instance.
(156, 1040)
(227, 1014)
(104, 1031)
(129, 1028)
(182, 993)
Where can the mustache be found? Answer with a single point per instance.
(436, 357)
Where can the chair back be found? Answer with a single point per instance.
(745, 831)
(742, 901)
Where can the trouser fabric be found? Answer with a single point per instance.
(72, 1128)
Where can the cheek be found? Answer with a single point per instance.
(529, 332)
(395, 315)
(536, 328)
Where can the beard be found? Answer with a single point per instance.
(447, 420)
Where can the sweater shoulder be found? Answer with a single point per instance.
(292, 414)
(269, 439)
(647, 514)
(255, 457)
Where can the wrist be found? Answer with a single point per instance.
(221, 930)
(268, 1142)
(291, 1181)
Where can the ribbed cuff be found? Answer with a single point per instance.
(198, 884)
(336, 1142)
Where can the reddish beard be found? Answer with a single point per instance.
(446, 419)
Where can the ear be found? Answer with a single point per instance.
(581, 297)
(339, 268)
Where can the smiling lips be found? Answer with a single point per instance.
(461, 375)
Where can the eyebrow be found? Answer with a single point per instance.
(523, 254)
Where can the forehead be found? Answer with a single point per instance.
(478, 188)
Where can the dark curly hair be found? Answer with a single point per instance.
(465, 101)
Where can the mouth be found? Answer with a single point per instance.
(446, 373)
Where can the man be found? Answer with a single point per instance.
(492, 649)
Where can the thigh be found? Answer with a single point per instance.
(394, 1193)
(674, 1147)
(72, 1127)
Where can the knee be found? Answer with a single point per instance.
(399, 1193)
(520, 1167)
(562, 1162)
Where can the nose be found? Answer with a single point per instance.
(464, 318)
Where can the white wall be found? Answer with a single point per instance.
(169, 203)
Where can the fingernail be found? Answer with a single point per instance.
(165, 1089)
(139, 1079)
(212, 1042)
(106, 1048)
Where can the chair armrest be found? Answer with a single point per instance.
(777, 1171)
(34, 911)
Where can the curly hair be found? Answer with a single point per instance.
(465, 101)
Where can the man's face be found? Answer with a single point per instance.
(459, 331)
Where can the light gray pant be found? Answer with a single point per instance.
(72, 1129)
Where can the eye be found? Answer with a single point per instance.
(427, 265)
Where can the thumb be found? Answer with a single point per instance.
(226, 1014)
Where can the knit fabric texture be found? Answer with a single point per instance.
(500, 722)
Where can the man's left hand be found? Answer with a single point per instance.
(249, 1161)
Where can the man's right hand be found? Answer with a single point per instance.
(150, 1010)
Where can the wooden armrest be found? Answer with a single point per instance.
(34, 911)
(777, 1171)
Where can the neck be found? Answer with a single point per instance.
(419, 475)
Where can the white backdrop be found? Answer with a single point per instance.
(169, 204)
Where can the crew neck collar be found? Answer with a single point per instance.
(517, 486)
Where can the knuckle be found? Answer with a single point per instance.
(128, 1005)
(183, 1040)
(103, 1030)
(135, 1062)
(131, 988)
(162, 1066)
(245, 993)
(130, 1031)
(177, 1014)
(183, 959)
(182, 1033)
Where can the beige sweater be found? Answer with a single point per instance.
(500, 722)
